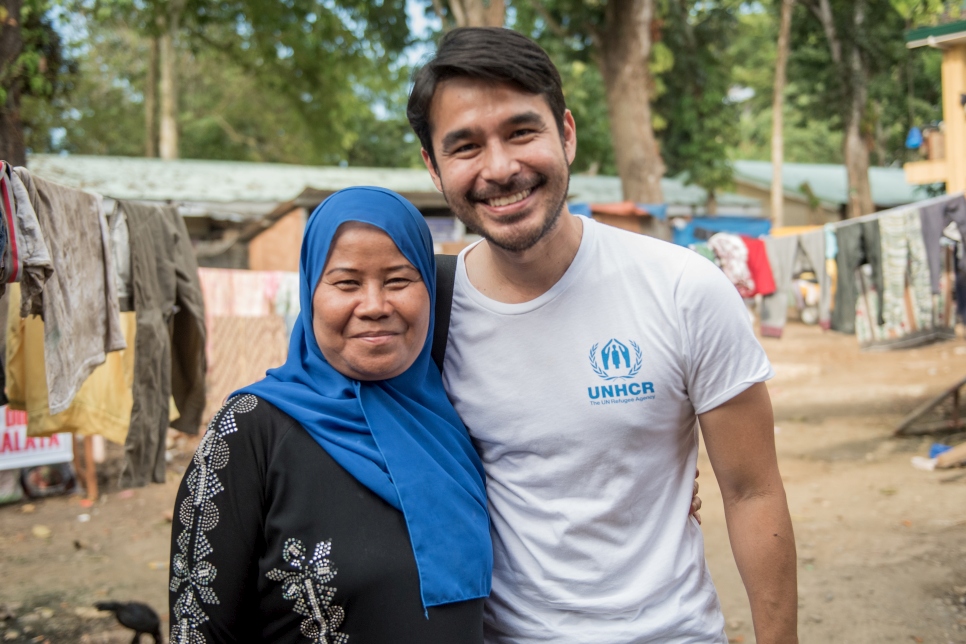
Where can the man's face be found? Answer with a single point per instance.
(502, 164)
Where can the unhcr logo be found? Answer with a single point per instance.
(618, 362)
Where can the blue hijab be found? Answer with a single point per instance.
(400, 437)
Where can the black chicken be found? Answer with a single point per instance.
(139, 617)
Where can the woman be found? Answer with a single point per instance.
(340, 498)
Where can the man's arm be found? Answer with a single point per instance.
(740, 437)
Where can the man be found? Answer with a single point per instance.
(581, 359)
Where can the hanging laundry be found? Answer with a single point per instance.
(733, 256)
(102, 405)
(759, 267)
(782, 252)
(858, 244)
(934, 217)
(906, 333)
(813, 245)
(121, 252)
(904, 253)
(170, 342)
(831, 268)
(79, 300)
(287, 303)
(26, 258)
(246, 315)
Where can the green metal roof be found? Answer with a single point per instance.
(253, 189)
(935, 35)
(829, 183)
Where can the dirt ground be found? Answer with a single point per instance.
(881, 546)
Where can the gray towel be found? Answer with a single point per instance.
(31, 260)
(79, 301)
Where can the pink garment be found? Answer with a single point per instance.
(733, 255)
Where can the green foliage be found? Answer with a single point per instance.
(816, 96)
(41, 69)
(701, 121)
(257, 82)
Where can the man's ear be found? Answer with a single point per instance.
(432, 169)
(569, 136)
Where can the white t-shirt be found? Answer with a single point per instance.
(583, 406)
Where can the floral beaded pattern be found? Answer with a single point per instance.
(306, 584)
(191, 574)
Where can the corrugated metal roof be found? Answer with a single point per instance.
(829, 182)
(241, 185)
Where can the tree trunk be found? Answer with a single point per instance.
(478, 13)
(777, 116)
(856, 149)
(151, 102)
(857, 160)
(624, 53)
(12, 148)
(168, 143)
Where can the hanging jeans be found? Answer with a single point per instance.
(858, 243)
(774, 308)
(904, 254)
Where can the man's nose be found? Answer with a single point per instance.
(373, 303)
(499, 164)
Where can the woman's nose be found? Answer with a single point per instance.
(374, 303)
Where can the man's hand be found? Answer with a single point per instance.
(740, 437)
(695, 499)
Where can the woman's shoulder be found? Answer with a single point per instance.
(252, 417)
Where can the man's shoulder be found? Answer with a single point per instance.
(643, 250)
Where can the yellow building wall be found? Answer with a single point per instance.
(278, 247)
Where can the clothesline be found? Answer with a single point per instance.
(925, 203)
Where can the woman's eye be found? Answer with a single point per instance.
(346, 284)
(398, 282)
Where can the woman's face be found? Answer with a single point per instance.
(371, 307)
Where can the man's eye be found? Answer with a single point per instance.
(467, 147)
(522, 133)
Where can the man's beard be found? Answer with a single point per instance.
(464, 208)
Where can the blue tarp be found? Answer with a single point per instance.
(658, 210)
(748, 226)
(684, 236)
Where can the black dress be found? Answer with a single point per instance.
(273, 541)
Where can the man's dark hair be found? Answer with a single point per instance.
(489, 54)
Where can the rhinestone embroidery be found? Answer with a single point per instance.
(306, 585)
(198, 514)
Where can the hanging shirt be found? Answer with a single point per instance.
(79, 300)
(583, 405)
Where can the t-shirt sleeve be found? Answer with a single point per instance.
(722, 355)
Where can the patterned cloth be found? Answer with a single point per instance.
(247, 314)
(911, 314)
(242, 350)
(904, 263)
(733, 256)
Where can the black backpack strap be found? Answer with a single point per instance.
(445, 281)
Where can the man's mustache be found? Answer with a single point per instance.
(517, 184)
